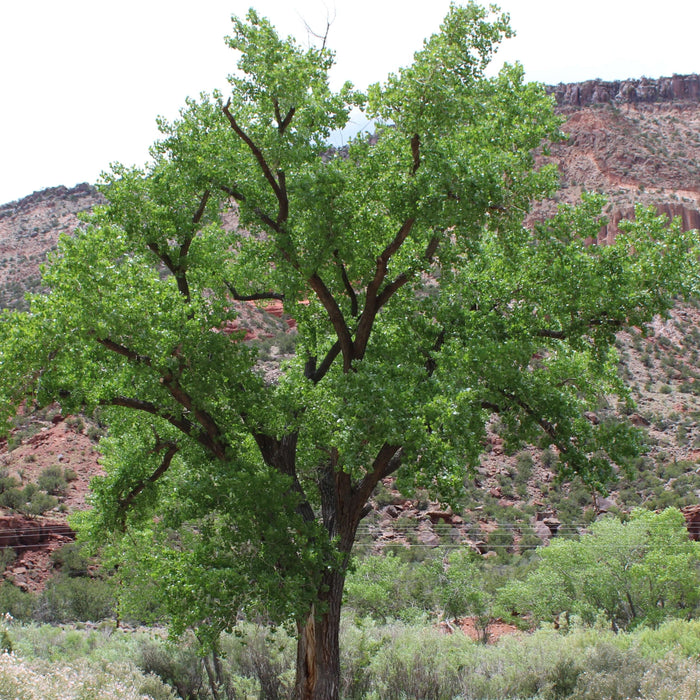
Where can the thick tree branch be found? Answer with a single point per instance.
(282, 124)
(212, 436)
(393, 287)
(546, 333)
(346, 283)
(202, 208)
(548, 427)
(277, 184)
(124, 351)
(177, 271)
(280, 454)
(257, 153)
(215, 441)
(233, 192)
(387, 461)
(369, 313)
(259, 296)
(316, 374)
(240, 197)
(184, 425)
(431, 363)
(336, 318)
(171, 450)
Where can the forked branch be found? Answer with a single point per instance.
(171, 449)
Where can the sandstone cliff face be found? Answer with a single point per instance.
(644, 90)
(636, 141)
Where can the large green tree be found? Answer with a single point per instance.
(423, 306)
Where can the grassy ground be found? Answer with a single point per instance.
(391, 661)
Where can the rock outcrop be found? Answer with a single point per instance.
(692, 521)
(644, 90)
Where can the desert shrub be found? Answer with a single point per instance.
(71, 560)
(36, 681)
(52, 480)
(5, 642)
(386, 586)
(523, 465)
(16, 602)
(550, 459)
(501, 542)
(67, 599)
(266, 656)
(29, 500)
(70, 474)
(75, 423)
(465, 591)
(411, 662)
(178, 666)
(528, 540)
(7, 482)
(610, 673)
(7, 556)
(38, 503)
(360, 643)
(682, 637)
(671, 679)
(12, 498)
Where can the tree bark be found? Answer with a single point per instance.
(318, 647)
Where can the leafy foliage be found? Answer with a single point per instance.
(639, 572)
(423, 305)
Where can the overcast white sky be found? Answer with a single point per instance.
(82, 81)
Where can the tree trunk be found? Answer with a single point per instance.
(318, 648)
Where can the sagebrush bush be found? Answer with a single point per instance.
(267, 656)
(611, 673)
(671, 679)
(17, 603)
(67, 599)
(178, 666)
(52, 480)
(22, 680)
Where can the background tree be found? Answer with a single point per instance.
(423, 305)
(640, 572)
(465, 592)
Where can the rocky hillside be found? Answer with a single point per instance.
(29, 229)
(635, 141)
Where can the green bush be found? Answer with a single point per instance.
(388, 587)
(71, 560)
(52, 480)
(17, 603)
(501, 542)
(635, 573)
(266, 656)
(12, 498)
(67, 599)
(177, 666)
(610, 673)
(38, 503)
(7, 482)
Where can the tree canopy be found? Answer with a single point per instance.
(423, 306)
